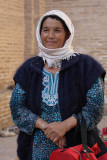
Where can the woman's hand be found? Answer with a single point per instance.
(62, 142)
(41, 124)
(55, 131)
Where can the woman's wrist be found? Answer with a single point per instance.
(69, 123)
(41, 124)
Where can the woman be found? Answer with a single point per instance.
(53, 89)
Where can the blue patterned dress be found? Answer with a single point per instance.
(25, 119)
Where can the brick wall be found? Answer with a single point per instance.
(5, 114)
(18, 20)
(11, 51)
(34, 9)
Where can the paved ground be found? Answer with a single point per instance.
(8, 145)
(8, 148)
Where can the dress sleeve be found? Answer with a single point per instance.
(93, 110)
(21, 115)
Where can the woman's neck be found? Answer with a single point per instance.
(52, 70)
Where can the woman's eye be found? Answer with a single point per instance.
(45, 30)
(57, 30)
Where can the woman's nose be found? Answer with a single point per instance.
(51, 34)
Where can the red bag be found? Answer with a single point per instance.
(97, 152)
(82, 151)
(100, 148)
(72, 153)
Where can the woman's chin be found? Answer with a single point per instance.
(51, 47)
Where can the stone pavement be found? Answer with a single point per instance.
(8, 145)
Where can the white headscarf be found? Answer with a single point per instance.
(54, 56)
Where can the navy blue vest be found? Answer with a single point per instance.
(75, 79)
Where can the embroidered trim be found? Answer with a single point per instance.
(50, 92)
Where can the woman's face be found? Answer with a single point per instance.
(53, 34)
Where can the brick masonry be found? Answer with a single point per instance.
(11, 51)
(18, 20)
